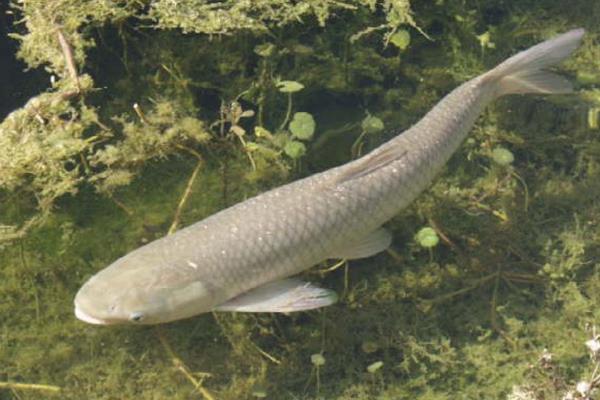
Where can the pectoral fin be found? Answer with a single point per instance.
(284, 296)
(369, 245)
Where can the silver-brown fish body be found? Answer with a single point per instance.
(240, 259)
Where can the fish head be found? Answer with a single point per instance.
(134, 291)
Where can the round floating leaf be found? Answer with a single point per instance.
(317, 360)
(502, 156)
(369, 346)
(427, 237)
(251, 146)
(261, 132)
(302, 126)
(264, 49)
(485, 40)
(400, 39)
(289, 86)
(294, 149)
(238, 130)
(372, 124)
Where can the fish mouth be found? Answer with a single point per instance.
(82, 316)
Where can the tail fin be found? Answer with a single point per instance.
(524, 72)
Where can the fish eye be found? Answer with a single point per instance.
(136, 317)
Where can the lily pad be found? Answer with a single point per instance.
(289, 86)
(264, 49)
(427, 237)
(317, 360)
(400, 39)
(302, 126)
(261, 132)
(372, 124)
(502, 156)
(294, 149)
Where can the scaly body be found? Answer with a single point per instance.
(288, 229)
(334, 214)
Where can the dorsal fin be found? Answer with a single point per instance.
(370, 163)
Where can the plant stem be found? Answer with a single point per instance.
(288, 112)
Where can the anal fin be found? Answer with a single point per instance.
(287, 295)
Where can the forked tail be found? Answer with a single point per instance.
(524, 72)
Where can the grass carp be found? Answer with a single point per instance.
(242, 258)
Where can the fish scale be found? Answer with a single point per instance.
(238, 258)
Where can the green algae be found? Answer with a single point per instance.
(515, 271)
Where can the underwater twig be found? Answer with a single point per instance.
(85, 164)
(29, 386)
(177, 362)
(525, 189)
(522, 277)
(185, 196)
(120, 204)
(467, 289)
(176, 75)
(366, 31)
(69, 59)
(140, 113)
(501, 215)
(234, 344)
(223, 328)
(28, 225)
(180, 365)
(265, 354)
(395, 255)
(514, 249)
(493, 312)
(443, 236)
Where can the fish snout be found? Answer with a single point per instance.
(93, 308)
(83, 316)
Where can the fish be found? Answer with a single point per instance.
(244, 258)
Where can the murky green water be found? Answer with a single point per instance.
(516, 269)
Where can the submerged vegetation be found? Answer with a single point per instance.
(157, 114)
